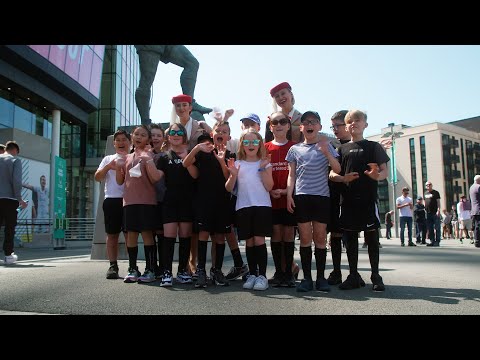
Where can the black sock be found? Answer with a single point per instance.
(276, 248)
(184, 244)
(202, 254)
(237, 257)
(149, 257)
(320, 260)
(168, 250)
(219, 255)
(132, 257)
(262, 257)
(306, 258)
(289, 248)
(161, 267)
(251, 259)
(336, 249)
(114, 263)
(351, 240)
(372, 238)
(154, 255)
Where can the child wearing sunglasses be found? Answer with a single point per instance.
(177, 204)
(282, 241)
(251, 176)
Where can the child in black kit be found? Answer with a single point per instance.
(363, 164)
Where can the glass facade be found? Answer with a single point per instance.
(423, 160)
(83, 145)
(413, 167)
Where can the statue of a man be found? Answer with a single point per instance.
(149, 57)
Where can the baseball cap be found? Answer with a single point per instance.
(281, 86)
(310, 113)
(252, 117)
(419, 198)
(476, 178)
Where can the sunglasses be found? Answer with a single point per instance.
(176, 132)
(310, 122)
(255, 142)
(282, 121)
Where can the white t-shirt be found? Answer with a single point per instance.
(250, 189)
(405, 211)
(112, 189)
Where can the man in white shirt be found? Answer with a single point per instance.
(405, 206)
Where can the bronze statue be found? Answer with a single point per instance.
(149, 57)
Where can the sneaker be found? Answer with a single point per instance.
(236, 272)
(419, 241)
(147, 277)
(195, 275)
(305, 285)
(471, 242)
(411, 244)
(402, 244)
(277, 279)
(10, 259)
(201, 279)
(261, 283)
(184, 278)
(353, 281)
(112, 272)
(335, 278)
(132, 276)
(167, 279)
(322, 285)
(250, 283)
(288, 281)
(377, 282)
(219, 279)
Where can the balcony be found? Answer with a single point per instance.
(454, 159)
(456, 174)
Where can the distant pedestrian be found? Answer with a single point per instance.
(420, 217)
(432, 206)
(405, 205)
(388, 224)
(475, 212)
(10, 196)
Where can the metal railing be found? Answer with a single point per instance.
(77, 229)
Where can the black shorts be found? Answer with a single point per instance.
(359, 216)
(283, 217)
(254, 221)
(113, 215)
(139, 217)
(159, 216)
(334, 225)
(312, 208)
(216, 220)
(179, 211)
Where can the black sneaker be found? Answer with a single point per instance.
(335, 278)
(277, 279)
(218, 278)
(353, 281)
(201, 279)
(411, 244)
(236, 272)
(322, 285)
(288, 281)
(305, 285)
(377, 282)
(112, 272)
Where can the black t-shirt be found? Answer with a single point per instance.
(388, 218)
(354, 157)
(336, 188)
(431, 201)
(211, 181)
(178, 181)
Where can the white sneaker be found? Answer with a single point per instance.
(10, 259)
(261, 283)
(250, 282)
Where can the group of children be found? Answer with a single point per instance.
(263, 189)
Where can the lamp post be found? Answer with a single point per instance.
(393, 169)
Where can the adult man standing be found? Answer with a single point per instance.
(405, 206)
(149, 56)
(10, 196)
(475, 212)
(432, 206)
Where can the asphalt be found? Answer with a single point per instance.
(419, 281)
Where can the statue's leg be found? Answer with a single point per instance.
(181, 56)
(148, 62)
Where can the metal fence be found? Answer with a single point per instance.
(77, 228)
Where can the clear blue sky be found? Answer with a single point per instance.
(409, 85)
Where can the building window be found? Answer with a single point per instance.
(413, 167)
(423, 160)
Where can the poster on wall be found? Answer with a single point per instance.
(35, 218)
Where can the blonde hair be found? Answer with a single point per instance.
(261, 153)
(356, 114)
